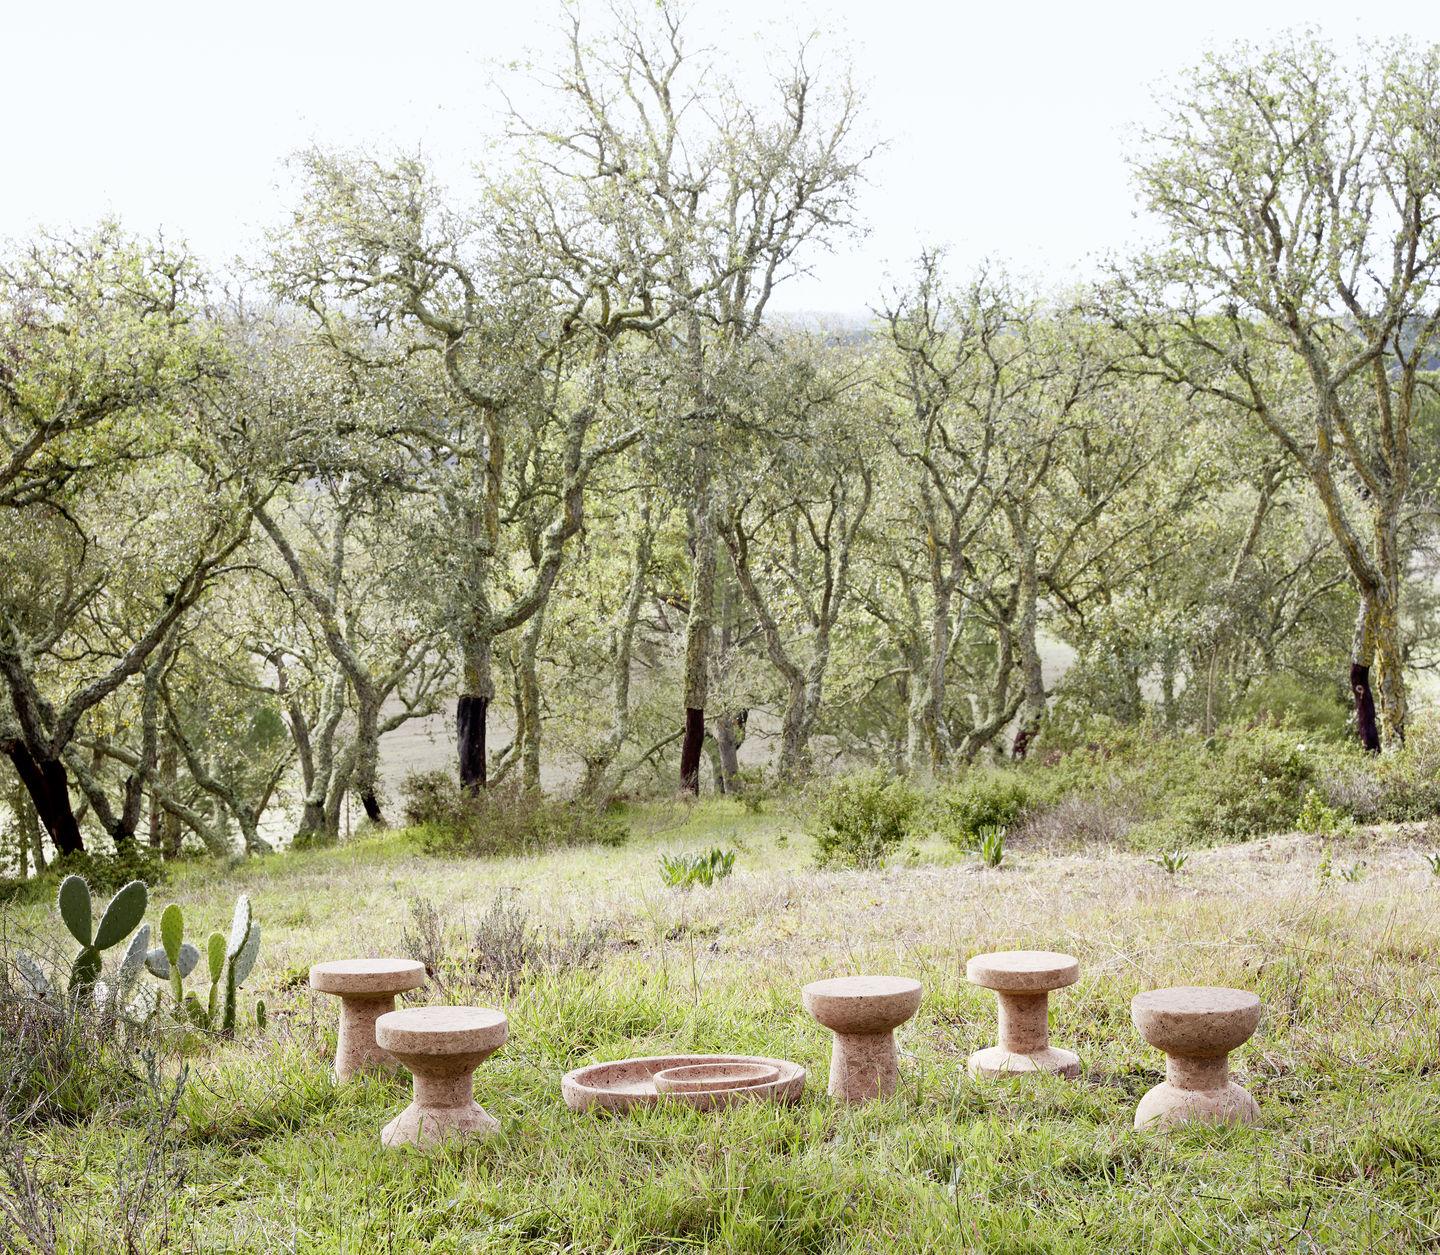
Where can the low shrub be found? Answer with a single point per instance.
(452, 822)
(983, 799)
(104, 871)
(1103, 818)
(63, 1057)
(859, 819)
(503, 950)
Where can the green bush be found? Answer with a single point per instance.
(452, 822)
(1253, 783)
(982, 800)
(859, 819)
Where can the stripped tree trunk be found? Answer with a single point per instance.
(698, 622)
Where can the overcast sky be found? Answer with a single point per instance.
(1005, 124)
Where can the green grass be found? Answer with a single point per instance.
(1346, 1065)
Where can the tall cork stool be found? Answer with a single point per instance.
(1022, 981)
(442, 1047)
(366, 989)
(863, 1013)
(1197, 1027)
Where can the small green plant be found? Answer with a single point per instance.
(1171, 861)
(1317, 816)
(1325, 868)
(683, 871)
(1353, 873)
(228, 962)
(992, 845)
(860, 819)
(1433, 859)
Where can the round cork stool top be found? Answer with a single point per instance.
(1022, 981)
(366, 989)
(1197, 1026)
(863, 1013)
(1023, 971)
(442, 1047)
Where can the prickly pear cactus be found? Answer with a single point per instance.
(34, 978)
(175, 958)
(121, 917)
(241, 926)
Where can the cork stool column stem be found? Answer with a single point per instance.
(355, 1048)
(366, 989)
(1197, 1027)
(1024, 1022)
(1022, 981)
(863, 1013)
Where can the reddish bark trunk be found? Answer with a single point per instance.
(470, 730)
(48, 785)
(1366, 727)
(690, 750)
(1022, 744)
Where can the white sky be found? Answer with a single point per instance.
(1006, 123)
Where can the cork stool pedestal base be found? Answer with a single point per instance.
(863, 1013)
(442, 1047)
(366, 989)
(1197, 1027)
(1022, 981)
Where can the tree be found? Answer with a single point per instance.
(715, 197)
(1300, 200)
(790, 532)
(124, 499)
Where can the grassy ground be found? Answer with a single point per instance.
(1346, 1064)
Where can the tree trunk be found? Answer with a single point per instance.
(622, 648)
(1032, 673)
(1362, 656)
(367, 758)
(529, 685)
(48, 784)
(729, 735)
(470, 712)
(697, 643)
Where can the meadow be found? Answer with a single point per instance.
(592, 957)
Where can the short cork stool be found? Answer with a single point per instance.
(863, 1012)
(1022, 981)
(366, 989)
(442, 1047)
(1197, 1027)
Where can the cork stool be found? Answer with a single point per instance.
(366, 989)
(442, 1047)
(1022, 980)
(1197, 1027)
(863, 1013)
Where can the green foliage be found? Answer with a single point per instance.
(860, 819)
(684, 871)
(1432, 859)
(1320, 818)
(992, 845)
(453, 823)
(1297, 703)
(985, 799)
(106, 871)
